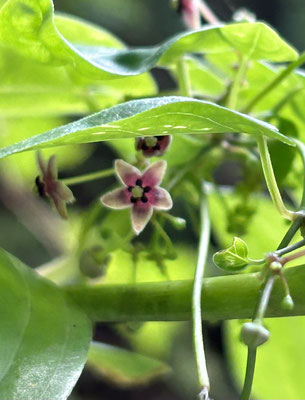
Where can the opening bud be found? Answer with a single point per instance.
(253, 334)
(287, 303)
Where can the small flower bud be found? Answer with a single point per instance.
(287, 303)
(254, 334)
(275, 266)
(93, 262)
(153, 146)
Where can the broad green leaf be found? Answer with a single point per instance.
(158, 116)
(28, 88)
(123, 367)
(123, 269)
(204, 81)
(24, 166)
(29, 26)
(280, 362)
(44, 338)
(233, 258)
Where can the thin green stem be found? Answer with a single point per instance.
(75, 180)
(290, 248)
(290, 233)
(293, 256)
(235, 88)
(274, 83)
(203, 377)
(184, 81)
(301, 149)
(251, 359)
(270, 179)
(259, 315)
(264, 300)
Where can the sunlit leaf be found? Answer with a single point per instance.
(233, 258)
(29, 26)
(158, 116)
(280, 362)
(122, 367)
(44, 338)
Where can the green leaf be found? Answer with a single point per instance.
(234, 258)
(29, 27)
(204, 81)
(122, 367)
(44, 338)
(149, 117)
(280, 362)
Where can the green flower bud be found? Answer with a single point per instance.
(287, 303)
(253, 334)
(275, 266)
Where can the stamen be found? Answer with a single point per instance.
(157, 147)
(144, 199)
(133, 199)
(139, 182)
(130, 188)
(147, 189)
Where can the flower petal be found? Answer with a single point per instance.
(128, 174)
(117, 199)
(140, 215)
(41, 163)
(52, 168)
(154, 174)
(160, 198)
(61, 207)
(64, 192)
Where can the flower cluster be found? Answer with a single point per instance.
(141, 192)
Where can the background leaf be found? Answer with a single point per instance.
(29, 26)
(280, 362)
(122, 367)
(46, 354)
(149, 117)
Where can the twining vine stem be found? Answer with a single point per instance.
(270, 179)
(203, 377)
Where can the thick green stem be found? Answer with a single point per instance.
(184, 78)
(88, 177)
(274, 83)
(225, 297)
(203, 377)
(251, 359)
(290, 234)
(270, 179)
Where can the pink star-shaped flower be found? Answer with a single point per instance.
(141, 192)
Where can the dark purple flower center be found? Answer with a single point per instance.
(138, 192)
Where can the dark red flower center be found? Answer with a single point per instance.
(138, 192)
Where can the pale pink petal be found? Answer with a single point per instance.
(64, 192)
(154, 174)
(140, 215)
(128, 174)
(41, 162)
(117, 199)
(160, 198)
(52, 169)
